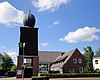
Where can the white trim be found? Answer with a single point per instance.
(74, 60)
(81, 69)
(96, 62)
(79, 60)
(96, 66)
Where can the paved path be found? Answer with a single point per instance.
(89, 78)
(14, 78)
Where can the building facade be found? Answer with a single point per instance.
(70, 62)
(64, 62)
(96, 63)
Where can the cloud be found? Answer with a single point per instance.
(9, 15)
(45, 44)
(55, 23)
(52, 5)
(3, 47)
(13, 55)
(82, 35)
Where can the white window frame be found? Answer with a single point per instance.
(96, 62)
(74, 60)
(80, 60)
(81, 69)
(27, 60)
(19, 72)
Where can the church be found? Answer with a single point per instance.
(63, 62)
(30, 61)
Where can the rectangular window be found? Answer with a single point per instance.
(27, 60)
(19, 72)
(96, 61)
(79, 60)
(74, 61)
(71, 70)
(81, 69)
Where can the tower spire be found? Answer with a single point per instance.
(29, 20)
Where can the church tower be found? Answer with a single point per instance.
(28, 60)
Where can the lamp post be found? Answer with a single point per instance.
(22, 45)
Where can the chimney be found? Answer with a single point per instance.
(62, 53)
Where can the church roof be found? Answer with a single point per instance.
(67, 55)
(48, 56)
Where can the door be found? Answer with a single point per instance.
(28, 73)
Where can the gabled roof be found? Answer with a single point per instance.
(61, 57)
(66, 55)
(70, 54)
(48, 56)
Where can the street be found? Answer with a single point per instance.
(86, 78)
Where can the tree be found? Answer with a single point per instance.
(5, 61)
(98, 52)
(88, 53)
(13, 67)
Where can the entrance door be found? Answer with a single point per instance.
(28, 72)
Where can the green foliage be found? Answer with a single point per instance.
(88, 53)
(13, 67)
(72, 75)
(42, 73)
(98, 53)
(5, 62)
(40, 78)
(96, 71)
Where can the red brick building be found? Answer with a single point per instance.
(70, 62)
(28, 60)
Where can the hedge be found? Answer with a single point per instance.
(11, 74)
(2, 72)
(40, 78)
(67, 75)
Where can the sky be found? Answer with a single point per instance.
(63, 24)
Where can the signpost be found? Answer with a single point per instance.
(22, 45)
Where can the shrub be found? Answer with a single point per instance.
(2, 72)
(54, 72)
(98, 71)
(43, 73)
(11, 73)
(67, 75)
(40, 78)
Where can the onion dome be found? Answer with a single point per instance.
(29, 20)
